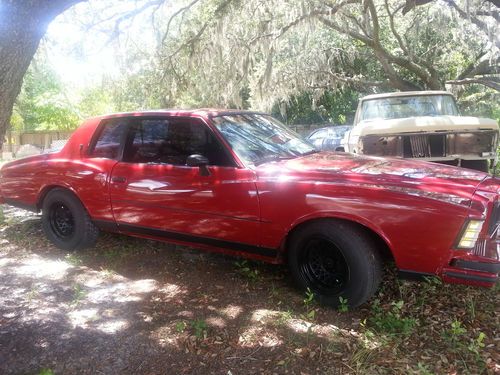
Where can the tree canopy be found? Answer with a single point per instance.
(281, 48)
(280, 55)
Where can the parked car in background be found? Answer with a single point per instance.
(423, 125)
(329, 137)
(244, 184)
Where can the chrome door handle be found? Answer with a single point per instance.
(119, 179)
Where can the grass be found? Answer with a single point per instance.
(78, 294)
(73, 259)
(391, 321)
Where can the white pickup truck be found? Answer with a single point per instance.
(423, 125)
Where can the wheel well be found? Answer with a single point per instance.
(45, 191)
(380, 244)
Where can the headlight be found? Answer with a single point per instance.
(470, 234)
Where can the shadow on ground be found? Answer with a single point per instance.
(137, 306)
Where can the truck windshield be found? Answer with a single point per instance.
(258, 138)
(408, 106)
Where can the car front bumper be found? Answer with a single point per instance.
(471, 272)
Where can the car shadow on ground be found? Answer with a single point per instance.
(131, 305)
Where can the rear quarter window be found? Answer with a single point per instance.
(109, 139)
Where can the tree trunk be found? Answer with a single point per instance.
(23, 24)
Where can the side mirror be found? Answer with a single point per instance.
(197, 160)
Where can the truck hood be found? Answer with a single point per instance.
(437, 181)
(425, 124)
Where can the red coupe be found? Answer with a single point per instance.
(244, 184)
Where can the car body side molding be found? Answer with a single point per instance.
(154, 232)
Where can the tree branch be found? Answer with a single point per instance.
(393, 27)
(494, 84)
(181, 10)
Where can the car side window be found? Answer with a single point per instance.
(319, 134)
(171, 141)
(107, 144)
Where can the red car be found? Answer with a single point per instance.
(242, 183)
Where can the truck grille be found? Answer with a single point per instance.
(430, 145)
(424, 145)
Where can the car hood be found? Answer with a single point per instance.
(404, 176)
(425, 124)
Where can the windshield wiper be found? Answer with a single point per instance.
(309, 152)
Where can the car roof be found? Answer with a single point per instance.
(405, 93)
(336, 127)
(203, 112)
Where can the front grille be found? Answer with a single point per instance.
(494, 218)
(424, 146)
(480, 248)
(487, 247)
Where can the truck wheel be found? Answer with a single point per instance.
(65, 221)
(478, 165)
(335, 259)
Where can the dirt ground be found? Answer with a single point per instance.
(132, 306)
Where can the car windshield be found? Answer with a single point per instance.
(408, 106)
(258, 138)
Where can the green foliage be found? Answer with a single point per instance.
(309, 303)
(282, 54)
(343, 305)
(180, 327)
(391, 322)
(480, 102)
(73, 259)
(243, 268)
(336, 107)
(200, 328)
(95, 101)
(274, 56)
(422, 369)
(309, 298)
(468, 348)
(79, 294)
(43, 103)
(46, 372)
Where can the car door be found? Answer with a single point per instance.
(90, 175)
(153, 192)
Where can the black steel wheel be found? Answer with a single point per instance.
(323, 265)
(333, 259)
(62, 222)
(65, 221)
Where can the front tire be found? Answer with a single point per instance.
(65, 221)
(333, 259)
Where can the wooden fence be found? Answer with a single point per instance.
(42, 140)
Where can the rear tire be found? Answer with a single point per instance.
(333, 259)
(65, 221)
(478, 165)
